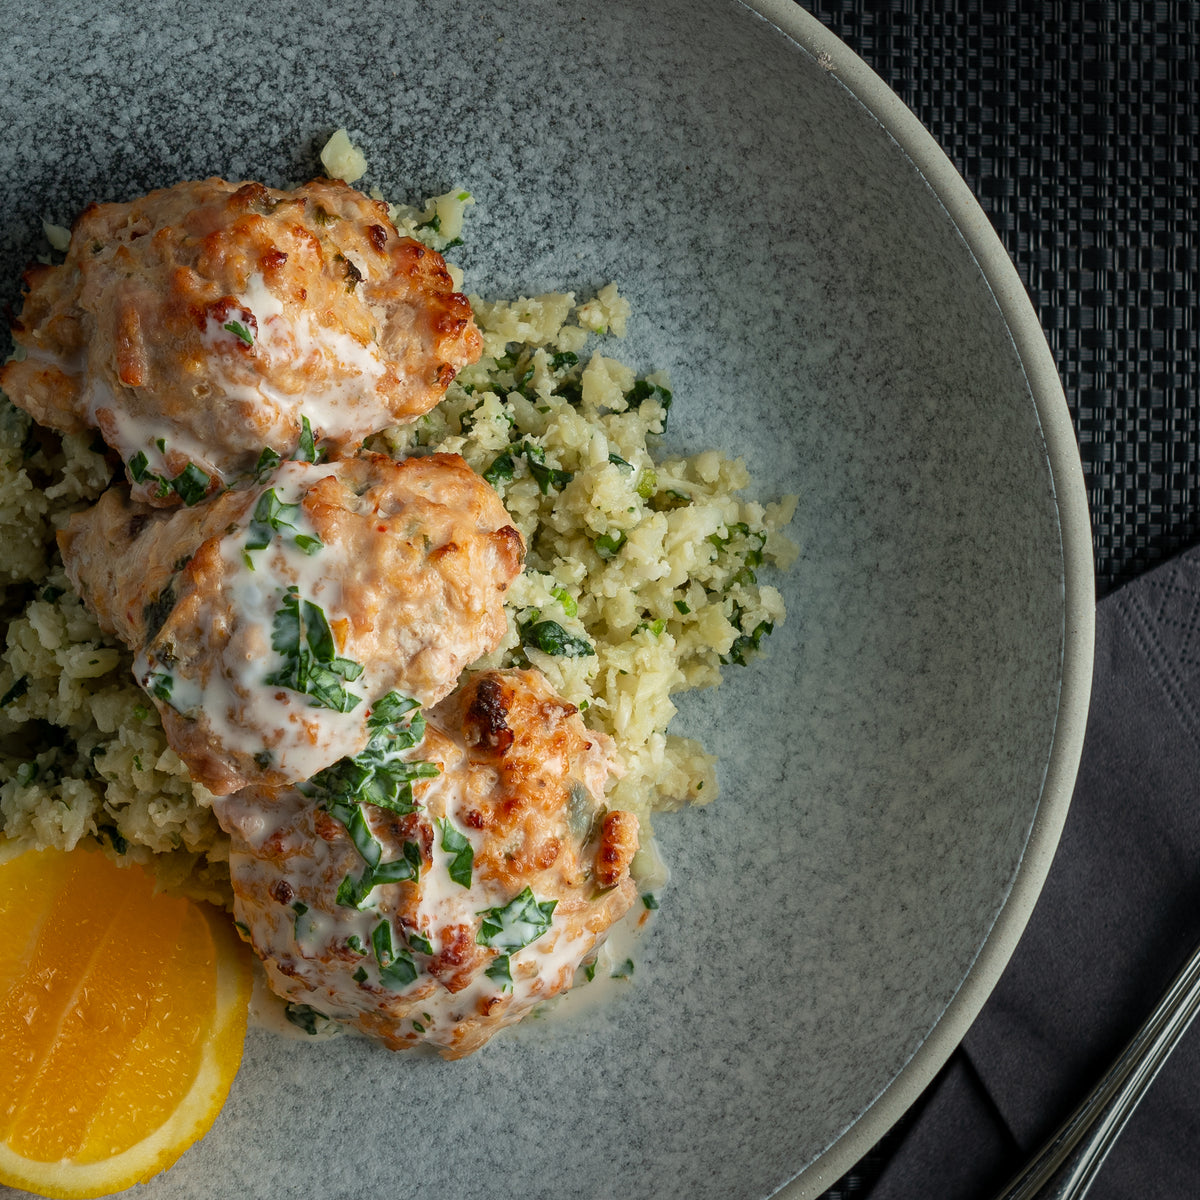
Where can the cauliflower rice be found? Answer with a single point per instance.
(640, 582)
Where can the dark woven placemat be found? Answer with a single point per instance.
(1077, 125)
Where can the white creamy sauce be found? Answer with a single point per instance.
(220, 335)
(310, 737)
(579, 1006)
(269, 1011)
(341, 405)
(622, 946)
(260, 300)
(246, 713)
(552, 954)
(443, 901)
(313, 942)
(129, 433)
(255, 822)
(339, 398)
(69, 364)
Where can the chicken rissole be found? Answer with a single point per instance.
(266, 620)
(203, 323)
(471, 886)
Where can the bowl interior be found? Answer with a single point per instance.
(819, 315)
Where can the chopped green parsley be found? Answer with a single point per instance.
(396, 966)
(516, 924)
(747, 644)
(305, 1017)
(239, 331)
(272, 516)
(301, 633)
(568, 603)
(503, 466)
(268, 460)
(190, 485)
(551, 638)
(499, 970)
(380, 775)
(306, 451)
(160, 685)
(456, 843)
(608, 545)
(644, 390)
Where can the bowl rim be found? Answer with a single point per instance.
(1078, 633)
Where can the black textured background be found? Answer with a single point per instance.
(1077, 125)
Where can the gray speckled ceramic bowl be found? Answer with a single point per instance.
(832, 305)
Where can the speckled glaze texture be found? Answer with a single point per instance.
(820, 316)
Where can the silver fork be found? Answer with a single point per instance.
(1067, 1165)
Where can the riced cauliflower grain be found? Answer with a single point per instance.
(342, 159)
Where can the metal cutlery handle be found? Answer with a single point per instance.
(1067, 1165)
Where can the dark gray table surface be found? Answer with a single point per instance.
(1076, 125)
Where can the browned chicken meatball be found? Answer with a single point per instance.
(266, 621)
(448, 880)
(203, 323)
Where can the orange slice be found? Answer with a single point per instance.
(122, 1018)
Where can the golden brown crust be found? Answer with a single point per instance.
(528, 740)
(618, 845)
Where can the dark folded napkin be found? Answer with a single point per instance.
(1119, 913)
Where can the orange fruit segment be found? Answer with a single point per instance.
(122, 1019)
